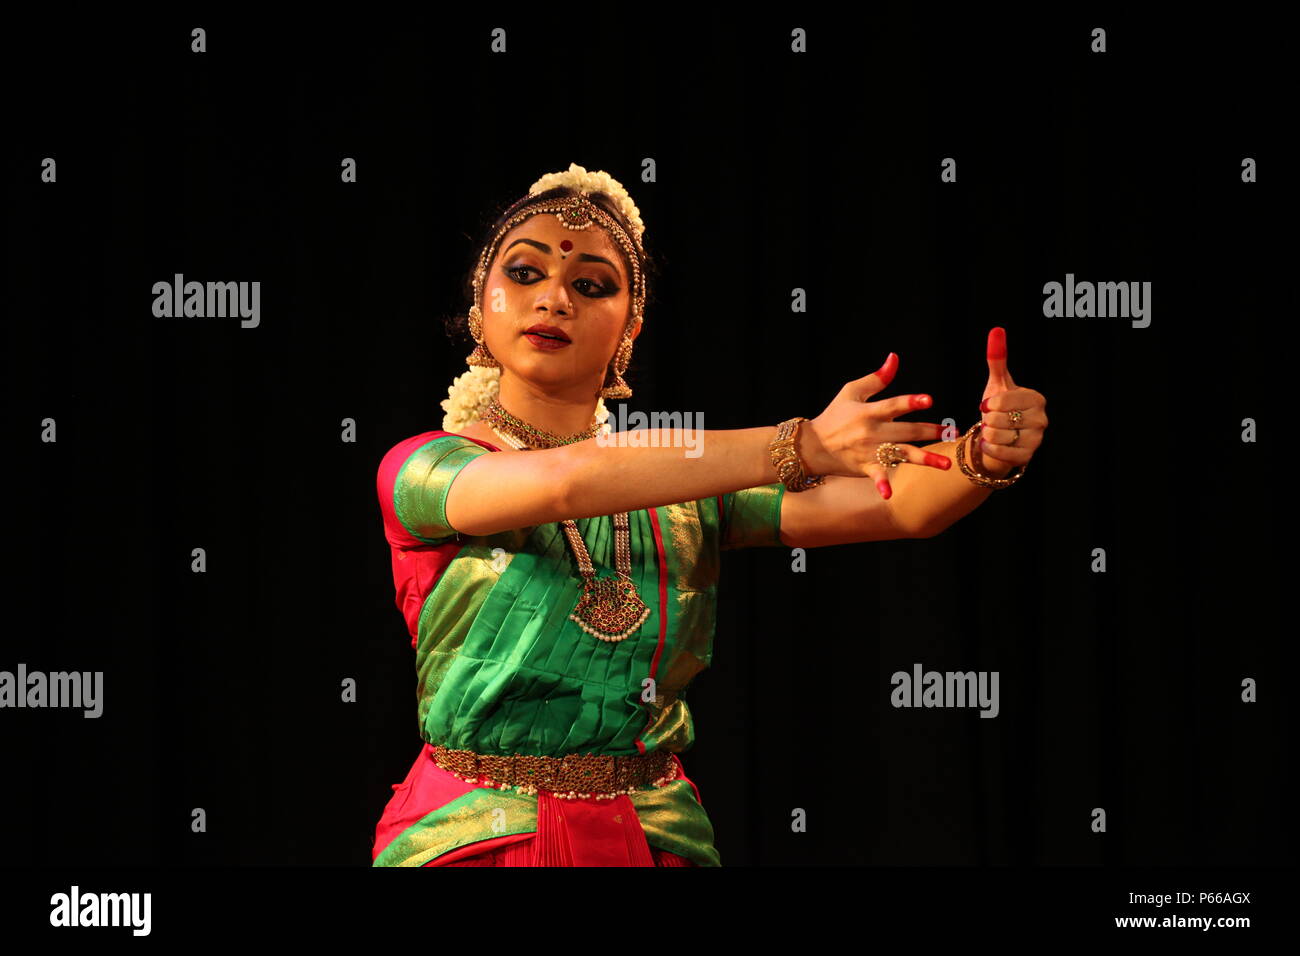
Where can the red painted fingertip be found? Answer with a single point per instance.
(937, 461)
(984, 405)
(883, 487)
(997, 348)
(920, 401)
(888, 370)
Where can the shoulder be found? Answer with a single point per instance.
(412, 482)
(397, 455)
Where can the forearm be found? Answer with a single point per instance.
(600, 480)
(925, 501)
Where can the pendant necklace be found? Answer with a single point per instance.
(610, 608)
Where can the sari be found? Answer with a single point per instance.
(503, 670)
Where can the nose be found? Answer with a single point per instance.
(553, 296)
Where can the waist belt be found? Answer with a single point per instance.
(571, 777)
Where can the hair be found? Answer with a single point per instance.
(457, 326)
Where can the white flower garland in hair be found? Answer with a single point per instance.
(471, 393)
(593, 182)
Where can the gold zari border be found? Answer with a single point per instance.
(573, 776)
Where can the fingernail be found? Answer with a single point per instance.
(883, 487)
(920, 401)
(998, 343)
(984, 405)
(941, 431)
(937, 461)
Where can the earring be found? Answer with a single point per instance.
(480, 356)
(614, 386)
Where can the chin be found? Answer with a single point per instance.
(550, 371)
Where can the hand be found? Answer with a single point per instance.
(997, 456)
(843, 439)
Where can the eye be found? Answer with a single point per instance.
(513, 269)
(520, 273)
(602, 290)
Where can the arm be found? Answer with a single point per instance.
(924, 502)
(927, 501)
(497, 492)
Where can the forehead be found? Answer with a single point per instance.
(546, 227)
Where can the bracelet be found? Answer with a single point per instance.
(786, 459)
(986, 481)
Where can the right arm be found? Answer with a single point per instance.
(497, 492)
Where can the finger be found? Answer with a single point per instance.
(919, 456)
(879, 477)
(860, 389)
(996, 354)
(909, 431)
(1017, 454)
(1005, 436)
(1029, 418)
(900, 405)
(1013, 398)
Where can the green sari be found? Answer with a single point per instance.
(503, 670)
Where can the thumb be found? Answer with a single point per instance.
(996, 353)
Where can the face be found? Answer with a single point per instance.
(574, 281)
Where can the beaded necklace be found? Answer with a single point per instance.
(610, 608)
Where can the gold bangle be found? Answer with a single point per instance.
(986, 481)
(786, 459)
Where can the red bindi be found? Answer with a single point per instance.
(566, 244)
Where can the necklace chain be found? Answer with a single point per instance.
(495, 415)
(609, 609)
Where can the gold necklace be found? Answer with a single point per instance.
(610, 608)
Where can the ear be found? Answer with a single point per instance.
(637, 330)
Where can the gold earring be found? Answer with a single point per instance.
(614, 386)
(480, 356)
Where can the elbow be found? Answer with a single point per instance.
(924, 531)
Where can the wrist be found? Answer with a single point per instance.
(816, 460)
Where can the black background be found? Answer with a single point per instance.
(1118, 690)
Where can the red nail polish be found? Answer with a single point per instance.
(997, 344)
(920, 401)
(883, 487)
(984, 405)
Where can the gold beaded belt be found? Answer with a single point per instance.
(572, 777)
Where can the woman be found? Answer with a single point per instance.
(560, 601)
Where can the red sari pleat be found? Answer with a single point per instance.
(571, 833)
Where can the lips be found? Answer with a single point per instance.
(549, 332)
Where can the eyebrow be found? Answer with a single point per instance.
(582, 256)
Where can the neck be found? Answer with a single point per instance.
(564, 412)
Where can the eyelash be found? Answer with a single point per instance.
(604, 290)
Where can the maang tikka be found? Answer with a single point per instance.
(577, 213)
